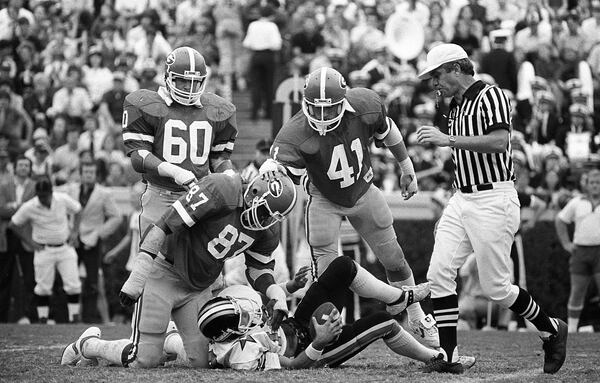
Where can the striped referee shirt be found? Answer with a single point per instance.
(484, 108)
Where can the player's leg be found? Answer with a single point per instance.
(161, 293)
(322, 225)
(69, 272)
(195, 345)
(450, 250)
(491, 231)
(357, 336)
(581, 274)
(44, 270)
(373, 220)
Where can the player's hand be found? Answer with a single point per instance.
(184, 177)
(277, 312)
(134, 285)
(327, 332)
(408, 185)
(270, 166)
(188, 185)
(431, 135)
(126, 300)
(301, 277)
(74, 239)
(36, 246)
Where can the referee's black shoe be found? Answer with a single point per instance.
(555, 349)
(439, 364)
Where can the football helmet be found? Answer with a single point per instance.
(185, 75)
(232, 313)
(268, 199)
(324, 99)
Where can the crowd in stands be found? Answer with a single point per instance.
(66, 67)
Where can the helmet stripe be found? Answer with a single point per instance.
(323, 83)
(192, 59)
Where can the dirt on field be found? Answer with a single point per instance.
(32, 353)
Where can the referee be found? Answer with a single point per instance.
(483, 215)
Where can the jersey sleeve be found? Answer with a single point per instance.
(259, 257)
(138, 134)
(288, 154)
(495, 109)
(224, 140)
(191, 208)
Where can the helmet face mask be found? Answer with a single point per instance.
(185, 75)
(324, 99)
(268, 199)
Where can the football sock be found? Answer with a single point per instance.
(445, 311)
(114, 351)
(43, 306)
(174, 345)
(526, 307)
(73, 306)
(402, 343)
(573, 317)
(367, 285)
(415, 312)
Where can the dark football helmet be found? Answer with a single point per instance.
(185, 75)
(268, 199)
(235, 311)
(324, 99)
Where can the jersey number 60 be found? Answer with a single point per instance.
(175, 147)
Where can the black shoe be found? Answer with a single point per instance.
(555, 349)
(438, 364)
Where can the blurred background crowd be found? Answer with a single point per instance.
(66, 66)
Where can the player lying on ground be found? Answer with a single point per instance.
(295, 345)
(182, 256)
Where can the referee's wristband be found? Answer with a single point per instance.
(312, 353)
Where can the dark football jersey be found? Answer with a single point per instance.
(338, 163)
(186, 136)
(206, 230)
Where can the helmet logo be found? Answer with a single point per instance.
(275, 188)
(342, 82)
(170, 59)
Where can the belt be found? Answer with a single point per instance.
(53, 244)
(474, 188)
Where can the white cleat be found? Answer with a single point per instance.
(171, 331)
(425, 331)
(412, 294)
(466, 361)
(71, 355)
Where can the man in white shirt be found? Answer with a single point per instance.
(48, 214)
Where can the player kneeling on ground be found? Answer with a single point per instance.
(217, 219)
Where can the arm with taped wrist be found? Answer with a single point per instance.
(143, 161)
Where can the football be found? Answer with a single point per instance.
(321, 314)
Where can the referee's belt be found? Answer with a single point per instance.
(53, 244)
(474, 188)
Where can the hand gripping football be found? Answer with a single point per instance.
(321, 314)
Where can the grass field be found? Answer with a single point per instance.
(32, 354)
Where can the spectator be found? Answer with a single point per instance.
(545, 123)
(13, 126)
(60, 45)
(48, 214)
(9, 17)
(499, 62)
(65, 158)
(148, 42)
(27, 66)
(37, 102)
(229, 33)
(72, 99)
(260, 156)
(572, 36)
(14, 191)
(188, 12)
(264, 41)
(415, 10)
(307, 43)
(584, 248)
(92, 136)
(590, 27)
(465, 37)
(97, 78)
(40, 154)
(111, 105)
(535, 33)
(98, 219)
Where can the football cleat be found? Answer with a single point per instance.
(425, 331)
(466, 361)
(439, 364)
(410, 295)
(171, 331)
(555, 348)
(72, 353)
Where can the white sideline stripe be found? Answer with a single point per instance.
(32, 348)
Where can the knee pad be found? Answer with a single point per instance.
(341, 271)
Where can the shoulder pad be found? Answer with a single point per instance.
(364, 100)
(295, 129)
(217, 108)
(148, 102)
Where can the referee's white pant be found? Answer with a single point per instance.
(483, 222)
(49, 259)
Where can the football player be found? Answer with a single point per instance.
(239, 346)
(326, 147)
(180, 259)
(178, 134)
